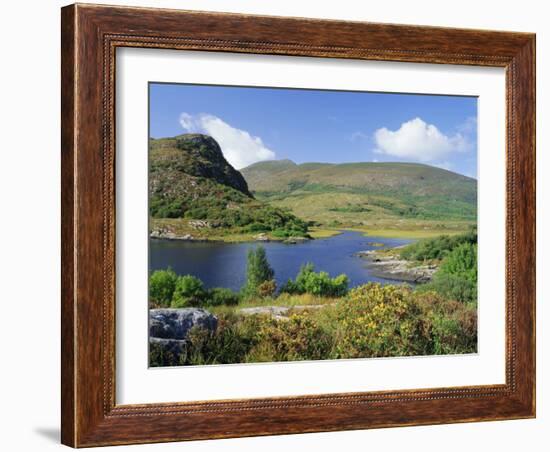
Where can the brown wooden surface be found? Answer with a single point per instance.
(90, 35)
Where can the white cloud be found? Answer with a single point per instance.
(186, 121)
(417, 140)
(238, 146)
(468, 126)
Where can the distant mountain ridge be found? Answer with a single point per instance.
(367, 175)
(403, 189)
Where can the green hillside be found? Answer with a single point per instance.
(194, 191)
(367, 194)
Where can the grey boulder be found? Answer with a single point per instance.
(175, 324)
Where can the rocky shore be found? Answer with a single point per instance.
(390, 266)
(169, 234)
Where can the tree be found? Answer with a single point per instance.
(189, 291)
(162, 284)
(258, 271)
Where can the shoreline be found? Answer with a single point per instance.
(259, 238)
(315, 234)
(392, 267)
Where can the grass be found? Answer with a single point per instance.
(348, 205)
(383, 227)
(323, 233)
(406, 233)
(284, 299)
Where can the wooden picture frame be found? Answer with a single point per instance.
(90, 36)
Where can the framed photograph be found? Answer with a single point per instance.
(282, 225)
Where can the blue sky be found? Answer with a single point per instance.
(255, 124)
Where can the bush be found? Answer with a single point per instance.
(222, 296)
(378, 320)
(437, 248)
(162, 284)
(453, 324)
(452, 287)
(231, 342)
(291, 287)
(160, 208)
(267, 288)
(299, 338)
(462, 261)
(258, 271)
(456, 278)
(189, 291)
(321, 284)
(166, 289)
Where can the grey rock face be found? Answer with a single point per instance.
(174, 346)
(206, 160)
(175, 324)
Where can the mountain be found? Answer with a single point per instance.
(196, 156)
(189, 179)
(325, 191)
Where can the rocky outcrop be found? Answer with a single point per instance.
(169, 328)
(170, 346)
(175, 324)
(207, 161)
(279, 312)
(389, 266)
(194, 157)
(168, 234)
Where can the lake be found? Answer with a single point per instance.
(220, 264)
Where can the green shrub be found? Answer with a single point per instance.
(453, 325)
(456, 278)
(437, 248)
(189, 291)
(321, 284)
(160, 208)
(221, 296)
(258, 271)
(290, 287)
(462, 261)
(162, 284)
(452, 287)
(233, 339)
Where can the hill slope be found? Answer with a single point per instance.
(190, 180)
(359, 192)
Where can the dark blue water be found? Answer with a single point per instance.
(224, 264)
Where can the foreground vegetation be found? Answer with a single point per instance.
(370, 321)
(326, 320)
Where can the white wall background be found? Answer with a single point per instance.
(29, 188)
